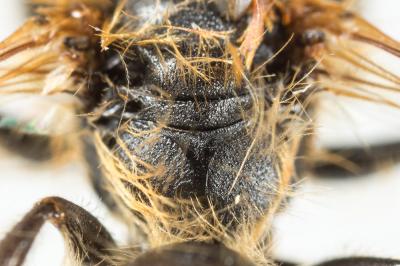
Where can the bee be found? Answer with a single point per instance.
(195, 118)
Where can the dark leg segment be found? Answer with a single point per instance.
(357, 161)
(361, 262)
(284, 263)
(355, 261)
(30, 146)
(96, 174)
(89, 240)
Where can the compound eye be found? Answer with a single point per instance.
(194, 254)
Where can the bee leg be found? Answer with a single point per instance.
(351, 262)
(356, 161)
(30, 146)
(361, 262)
(284, 263)
(89, 240)
(96, 175)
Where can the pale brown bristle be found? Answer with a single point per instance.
(36, 60)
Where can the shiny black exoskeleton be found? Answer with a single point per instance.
(193, 126)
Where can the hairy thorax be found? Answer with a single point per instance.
(183, 124)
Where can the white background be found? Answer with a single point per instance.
(327, 218)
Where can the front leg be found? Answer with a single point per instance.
(34, 147)
(353, 161)
(90, 242)
(352, 261)
(361, 262)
